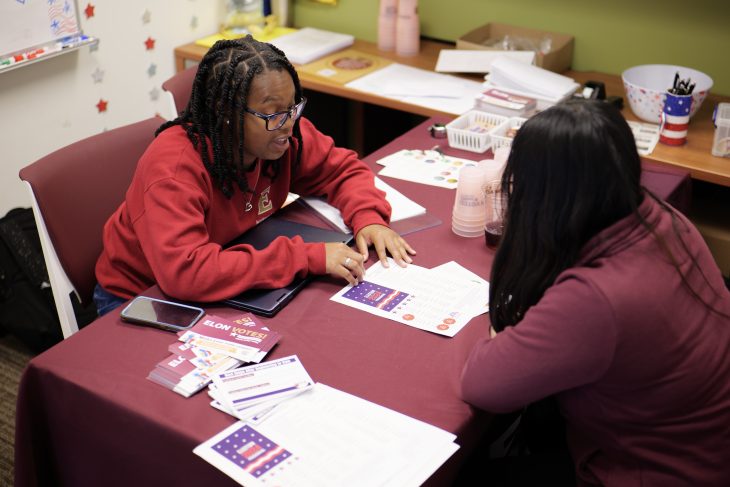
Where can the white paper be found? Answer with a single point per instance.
(402, 207)
(476, 61)
(326, 437)
(646, 136)
(308, 44)
(531, 81)
(481, 304)
(434, 300)
(420, 87)
(425, 166)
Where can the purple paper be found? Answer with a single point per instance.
(251, 451)
(376, 295)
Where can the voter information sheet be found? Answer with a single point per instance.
(327, 437)
(441, 300)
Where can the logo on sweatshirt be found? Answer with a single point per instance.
(264, 201)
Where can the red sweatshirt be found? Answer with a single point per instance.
(639, 366)
(173, 222)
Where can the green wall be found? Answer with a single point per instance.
(610, 36)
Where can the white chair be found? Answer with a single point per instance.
(73, 192)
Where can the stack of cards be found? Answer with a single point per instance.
(213, 345)
(249, 393)
(245, 339)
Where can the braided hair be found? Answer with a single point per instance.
(219, 93)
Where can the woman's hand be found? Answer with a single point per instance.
(384, 240)
(344, 262)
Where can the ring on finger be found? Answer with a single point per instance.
(347, 262)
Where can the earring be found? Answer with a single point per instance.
(228, 122)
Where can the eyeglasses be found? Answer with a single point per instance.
(274, 121)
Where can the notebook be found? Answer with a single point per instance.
(268, 302)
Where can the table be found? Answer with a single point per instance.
(695, 156)
(86, 414)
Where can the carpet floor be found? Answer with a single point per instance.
(13, 358)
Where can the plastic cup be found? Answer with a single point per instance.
(496, 206)
(500, 156)
(493, 234)
(675, 119)
(466, 232)
(470, 202)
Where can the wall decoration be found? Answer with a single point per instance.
(152, 70)
(98, 75)
(89, 10)
(146, 16)
(149, 43)
(102, 105)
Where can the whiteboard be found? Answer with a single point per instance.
(27, 24)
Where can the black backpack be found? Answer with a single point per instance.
(27, 309)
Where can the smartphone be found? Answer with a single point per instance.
(158, 313)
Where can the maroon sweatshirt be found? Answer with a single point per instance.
(639, 366)
(173, 222)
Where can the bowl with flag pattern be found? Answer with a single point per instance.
(647, 85)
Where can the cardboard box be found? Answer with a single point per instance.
(558, 59)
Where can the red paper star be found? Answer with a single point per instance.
(89, 10)
(101, 106)
(149, 43)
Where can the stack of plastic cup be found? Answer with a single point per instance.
(500, 157)
(470, 211)
(407, 28)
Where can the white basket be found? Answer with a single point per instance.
(462, 133)
(499, 134)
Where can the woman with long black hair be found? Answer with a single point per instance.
(607, 300)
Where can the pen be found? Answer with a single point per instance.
(681, 87)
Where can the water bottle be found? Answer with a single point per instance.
(243, 13)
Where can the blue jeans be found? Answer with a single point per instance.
(106, 301)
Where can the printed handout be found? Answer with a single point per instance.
(326, 437)
(425, 167)
(440, 300)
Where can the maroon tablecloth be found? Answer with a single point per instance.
(87, 415)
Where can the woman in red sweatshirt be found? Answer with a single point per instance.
(607, 300)
(227, 163)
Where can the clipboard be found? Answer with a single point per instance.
(268, 302)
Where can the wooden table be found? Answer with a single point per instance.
(695, 156)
